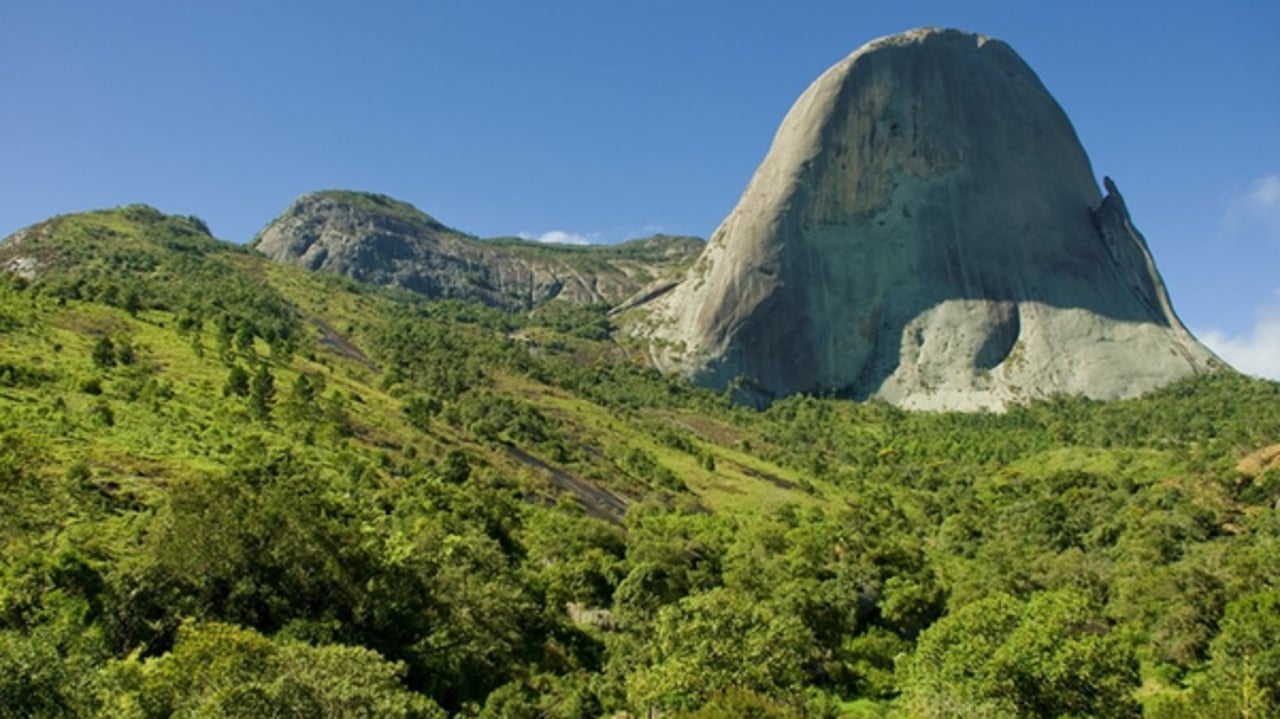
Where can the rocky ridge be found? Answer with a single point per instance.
(376, 239)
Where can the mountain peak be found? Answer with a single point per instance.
(926, 229)
(378, 239)
(370, 202)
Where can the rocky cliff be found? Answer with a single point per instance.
(926, 229)
(376, 239)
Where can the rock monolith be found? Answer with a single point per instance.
(926, 229)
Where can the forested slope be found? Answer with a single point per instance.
(232, 488)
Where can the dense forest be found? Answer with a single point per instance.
(233, 488)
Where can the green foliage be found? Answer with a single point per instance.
(656, 249)
(34, 680)
(543, 696)
(588, 322)
(583, 560)
(739, 703)
(101, 414)
(334, 410)
(498, 418)
(303, 404)
(456, 468)
(222, 670)
(22, 375)
(688, 660)
(243, 340)
(428, 513)
(125, 354)
(131, 302)
(1048, 657)
(378, 204)
(1244, 678)
(104, 352)
(237, 384)
(262, 392)
(137, 259)
(420, 410)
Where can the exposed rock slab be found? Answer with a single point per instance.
(926, 229)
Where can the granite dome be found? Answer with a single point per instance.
(926, 229)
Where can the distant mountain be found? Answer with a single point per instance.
(926, 229)
(380, 240)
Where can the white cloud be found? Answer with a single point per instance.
(1258, 208)
(1265, 193)
(609, 237)
(561, 237)
(643, 232)
(1256, 352)
(1254, 215)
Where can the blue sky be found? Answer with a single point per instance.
(603, 120)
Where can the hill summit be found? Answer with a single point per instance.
(377, 239)
(926, 229)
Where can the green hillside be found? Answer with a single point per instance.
(229, 487)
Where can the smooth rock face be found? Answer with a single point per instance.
(926, 229)
(376, 239)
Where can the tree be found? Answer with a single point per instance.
(711, 642)
(1002, 657)
(222, 335)
(305, 389)
(579, 559)
(132, 302)
(34, 680)
(104, 352)
(125, 354)
(336, 414)
(237, 383)
(737, 703)
(304, 394)
(262, 392)
(420, 409)
(456, 468)
(244, 339)
(1244, 677)
(223, 670)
